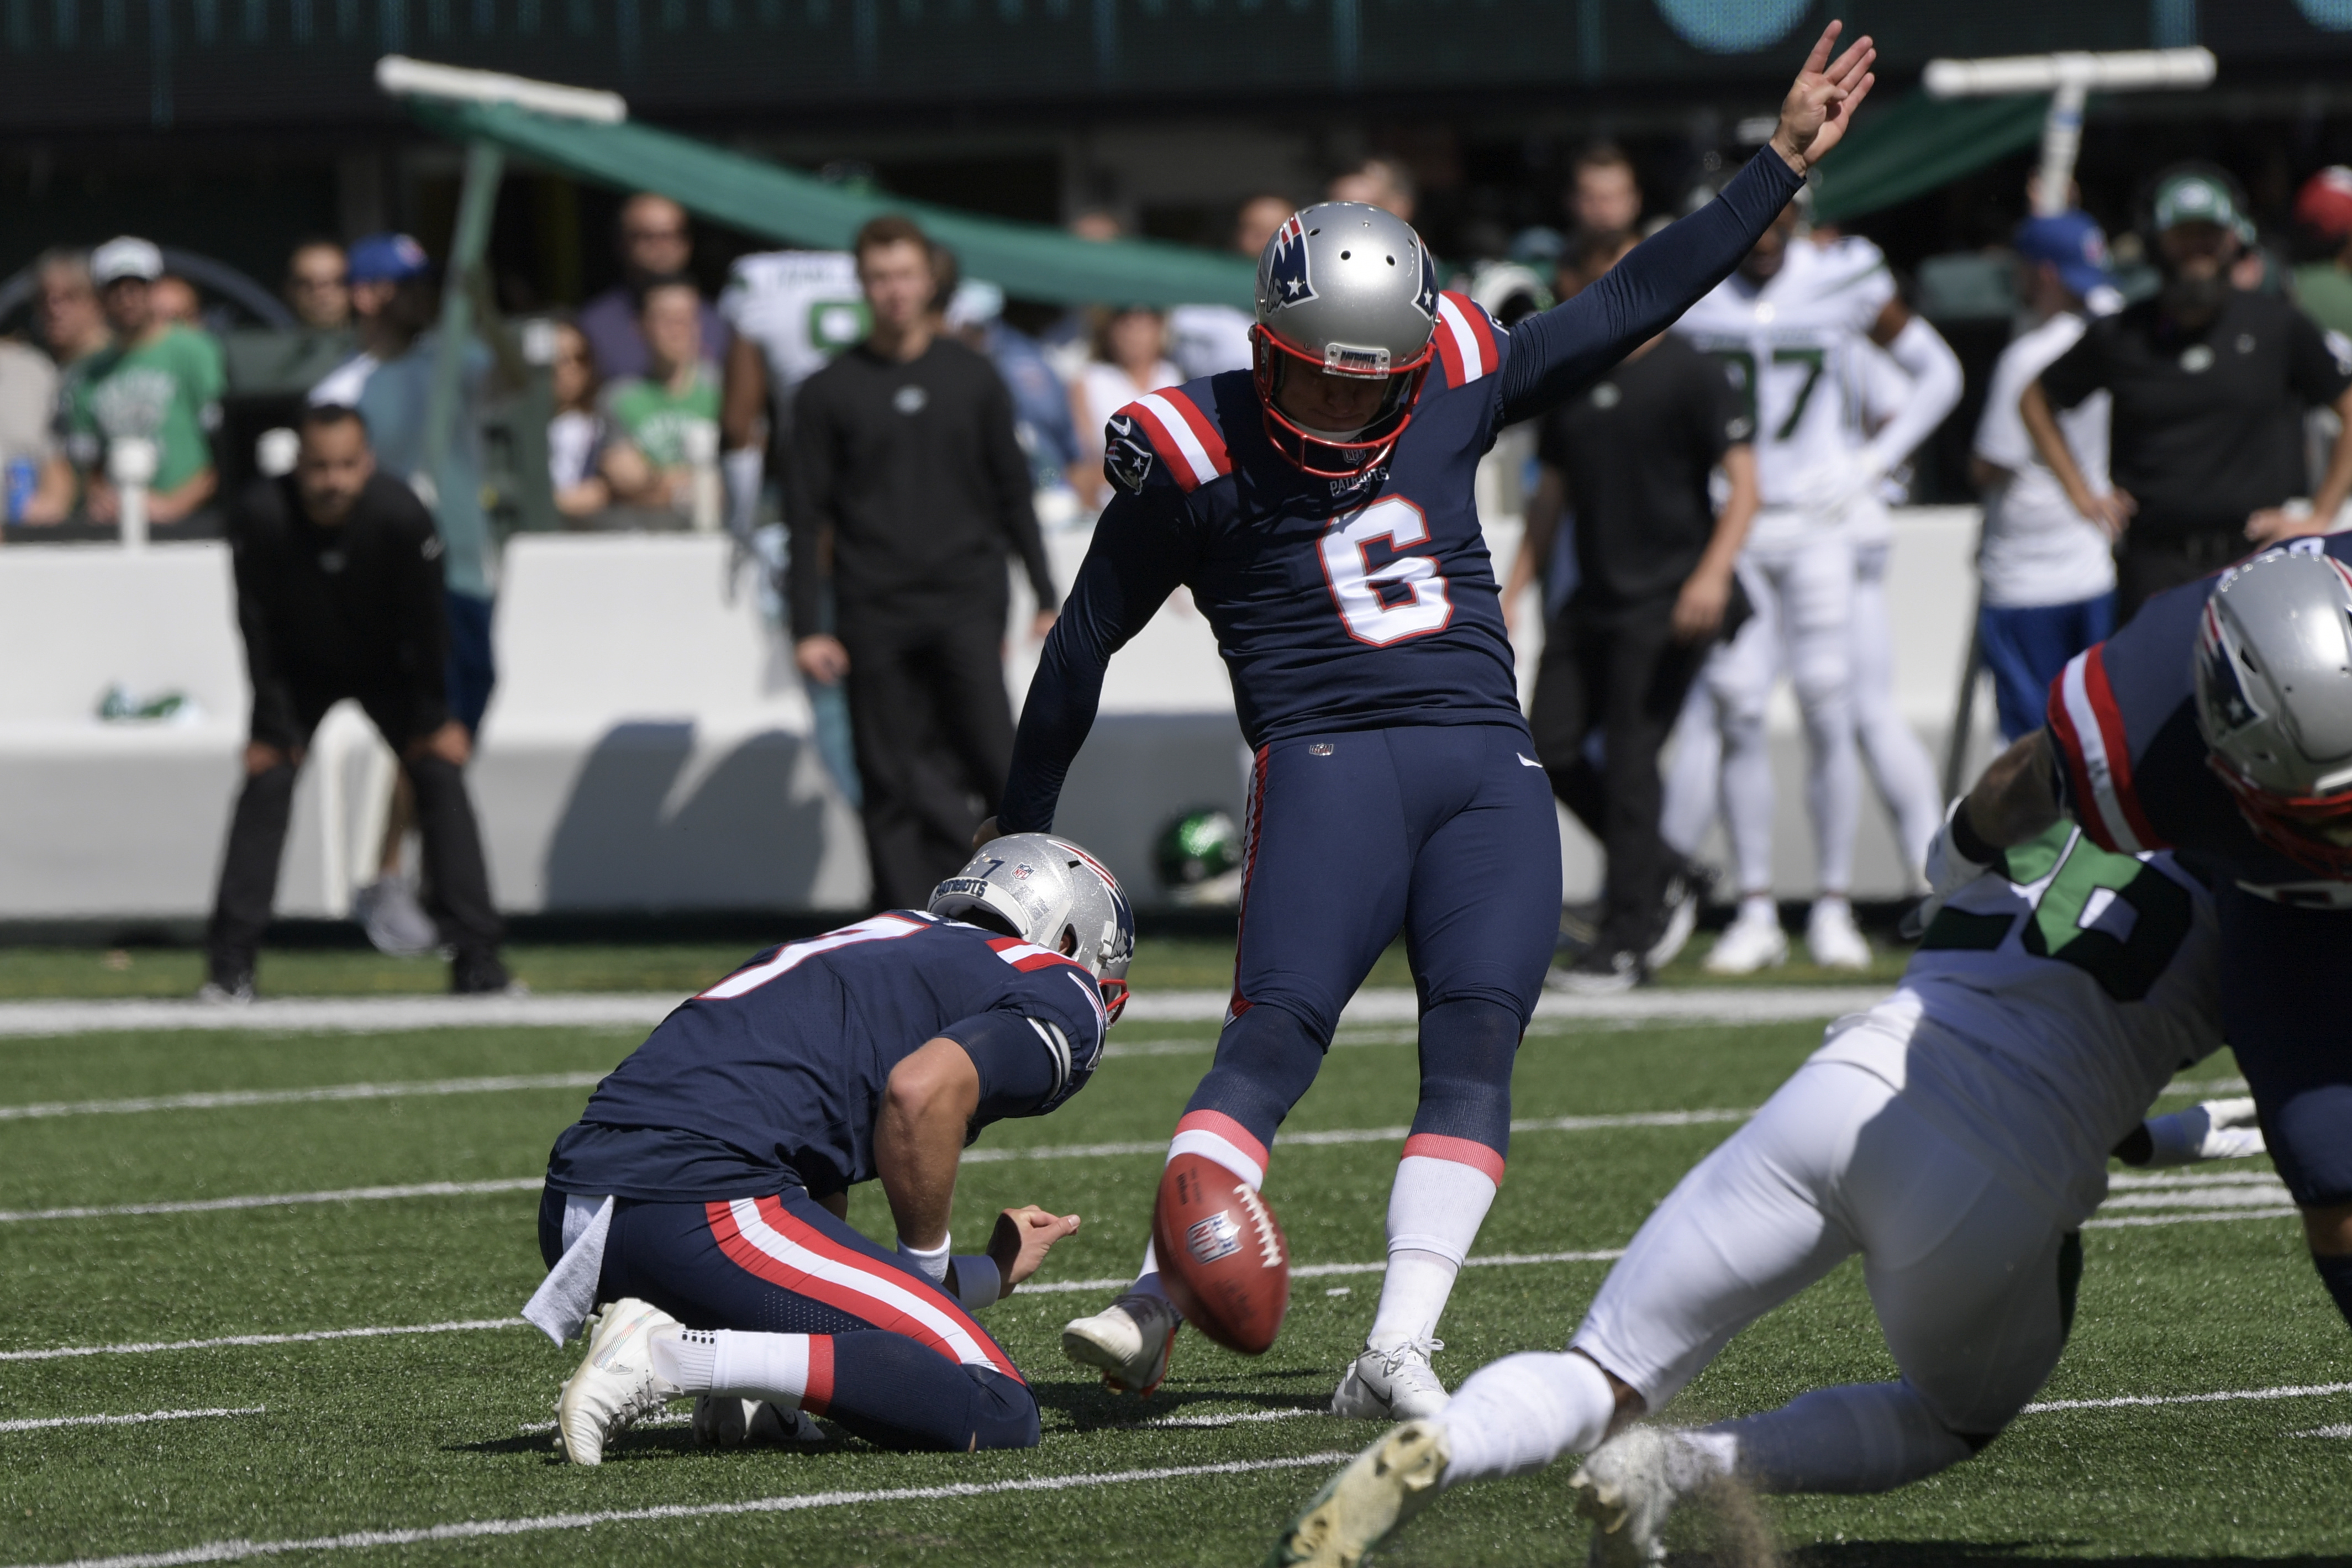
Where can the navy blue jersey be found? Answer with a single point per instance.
(773, 1077)
(2132, 767)
(1354, 603)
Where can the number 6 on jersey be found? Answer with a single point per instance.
(1357, 584)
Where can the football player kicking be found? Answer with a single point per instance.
(700, 1199)
(1956, 1135)
(2219, 723)
(1320, 509)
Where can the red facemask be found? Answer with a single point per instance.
(1319, 455)
(2287, 823)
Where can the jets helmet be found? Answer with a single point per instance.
(2274, 702)
(1345, 290)
(1048, 891)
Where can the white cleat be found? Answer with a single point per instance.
(1831, 938)
(1378, 1492)
(617, 1384)
(1750, 942)
(1622, 1488)
(1128, 1342)
(1392, 1385)
(723, 1421)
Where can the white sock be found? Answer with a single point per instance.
(683, 1357)
(1147, 1279)
(1435, 1206)
(774, 1367)
(1758, 907)
(1859, 1437)
(1828, 904)
(1519, 1414)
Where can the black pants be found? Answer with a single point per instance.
(1625, 675)
(456, 883)
(2147, 567)
(933, 733)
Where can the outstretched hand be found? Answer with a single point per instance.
(1023, 1237)
(1815, 114)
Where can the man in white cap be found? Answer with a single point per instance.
(159, 382)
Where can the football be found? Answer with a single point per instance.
(1222, 1255)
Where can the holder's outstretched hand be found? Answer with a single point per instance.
(1815, 114)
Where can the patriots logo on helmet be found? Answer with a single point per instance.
(1426, 301)
(1286, 281)
(2225, 692)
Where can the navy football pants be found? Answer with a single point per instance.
(2286, 993)
(1447, 831)
(897, 1362)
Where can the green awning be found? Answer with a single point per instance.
(1920, 144)
(1030, 261)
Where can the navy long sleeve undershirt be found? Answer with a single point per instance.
(1144, 547)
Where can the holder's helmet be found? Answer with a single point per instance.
(2274, 702)
(1048, 891)
(1345, 290)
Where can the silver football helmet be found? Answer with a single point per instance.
(2274, 702)
(1345, 290)
(1048, 891)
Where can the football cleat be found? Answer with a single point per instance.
(1832, 939)
(1622, 1488)
(1380, 1492)
(1598, 974)
(1687, 889)
(1129, 1342)
(617, 1384)
(1750, 942)
(1392, 1385)
(723, 1421)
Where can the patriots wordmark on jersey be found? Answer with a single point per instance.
(2132, 761)
(1789, 343)
(773, 1077)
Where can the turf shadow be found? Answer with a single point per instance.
(1092, 1408)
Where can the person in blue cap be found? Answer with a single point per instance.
(2048, 572)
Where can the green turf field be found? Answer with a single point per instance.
(444, 1432)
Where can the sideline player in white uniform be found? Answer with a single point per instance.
(1790, 322)
(1956, 1135)
(791, 311)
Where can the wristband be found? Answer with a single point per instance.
(931, 1262)
(978, 1283)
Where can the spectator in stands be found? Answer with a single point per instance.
(1205, 339)
(1097, 223)
(39, 481)
(1041, 404)
(575, 437)
(1378, 182)
(1130, 359)
(654, 420)
(318, 286)
(2210, 384)
(1603, 196)
(174, 300)
(656, 244)
(66, 314)
(904, 453)
(2322, 211)
(2048, 572)
(158, 382)
(339, 591)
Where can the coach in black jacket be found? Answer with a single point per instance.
(339, 594)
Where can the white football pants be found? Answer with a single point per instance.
(1804, 598)
(1899, 764)
(1964, 1273)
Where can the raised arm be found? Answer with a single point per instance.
(1142, 550)
(1554, 354)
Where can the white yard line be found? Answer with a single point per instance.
(2270, 1194)
(2335, 1429)
(2140, 1220)
(58, 1352)
(1367, 1135)
(1327, 1270)
(478, 1529)
(282, 1200)
(223, 1098)
(45, 1423)
(390, 1014)
(2133, 1401)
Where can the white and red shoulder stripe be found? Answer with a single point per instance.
(1467, 340)
(2097, 751)
(1185, 437)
